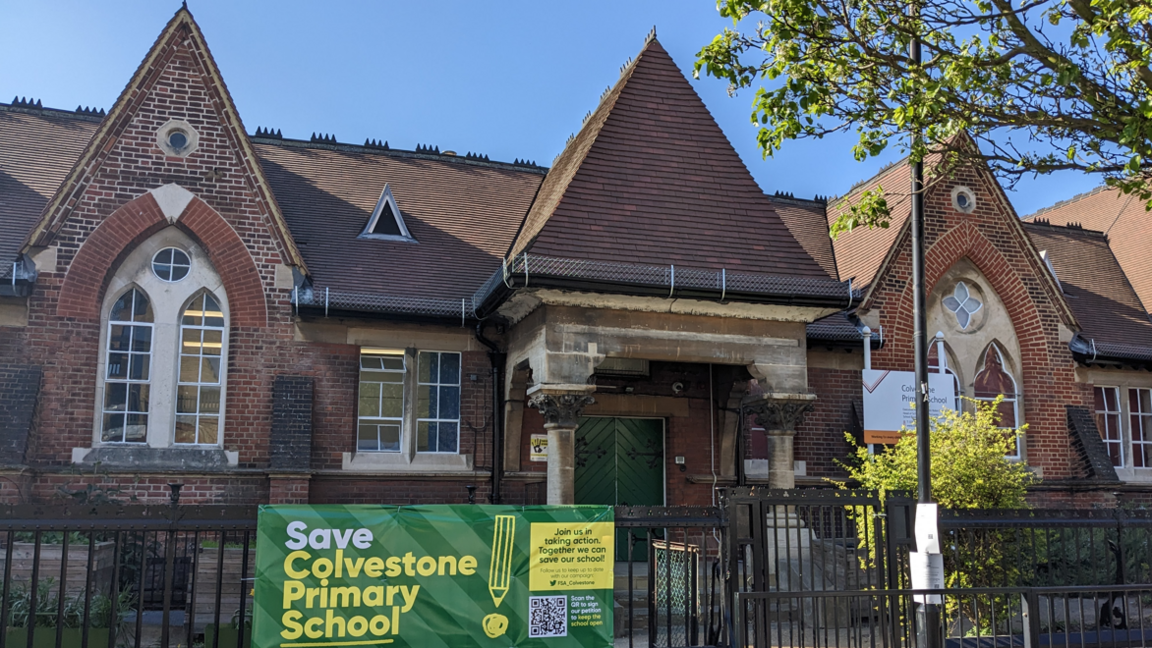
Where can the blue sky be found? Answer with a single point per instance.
(506, 79)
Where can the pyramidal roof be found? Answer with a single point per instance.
(651, 178)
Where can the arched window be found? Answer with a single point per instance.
(198, 386)
(934, 366)
(993, 381)
(127, 380)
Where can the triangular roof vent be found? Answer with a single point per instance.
(386, 222)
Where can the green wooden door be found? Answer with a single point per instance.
(620, 462)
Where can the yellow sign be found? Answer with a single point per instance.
(571, 556)
(882, 436)
(539, 447)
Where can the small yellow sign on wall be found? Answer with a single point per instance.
(571, 556)
(539, 446)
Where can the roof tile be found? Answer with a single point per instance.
(652, 177)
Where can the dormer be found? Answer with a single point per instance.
(386, 223)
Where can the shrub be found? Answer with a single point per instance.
(970, 470)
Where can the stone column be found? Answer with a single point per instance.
(779, 414)
(561, 406)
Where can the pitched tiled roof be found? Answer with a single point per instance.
(1095, 286)
(37, 148)
(462, 214)
(1126, 222)
(807, 221)
(860, 252)
(834, 328)
(180, 36)
(652, 179)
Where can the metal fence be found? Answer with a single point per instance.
(1048, 548)
(671, 585)
(106, 576)
(817, 540)
(131, 576)
(972, 618)
(825, 568)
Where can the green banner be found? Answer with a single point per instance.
(428, 576)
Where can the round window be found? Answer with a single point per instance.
(171, 264)
(177, 139)
(963, 199)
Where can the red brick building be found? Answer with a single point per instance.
(263, 319)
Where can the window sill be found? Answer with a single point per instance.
(1135, 475)
(390, 462)
(138, 456)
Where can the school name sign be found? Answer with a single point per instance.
(468, 575)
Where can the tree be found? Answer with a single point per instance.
(1039, 85)
(970, 470)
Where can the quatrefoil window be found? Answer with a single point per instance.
(962, 304)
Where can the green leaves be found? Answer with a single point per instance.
(970, 468)
(870, 211)
(1033, 99)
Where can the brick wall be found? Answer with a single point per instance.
(291, 423)
(820, 439)
(109, 212)
(990, 239)
(19, 389)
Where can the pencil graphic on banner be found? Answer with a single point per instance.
(500, 573)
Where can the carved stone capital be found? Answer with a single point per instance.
(561, 405)
(777, 413)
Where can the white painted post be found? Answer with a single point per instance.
(941, 359)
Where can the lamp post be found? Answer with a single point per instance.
(927, 540)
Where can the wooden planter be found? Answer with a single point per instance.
(228, 636)
(23, 554)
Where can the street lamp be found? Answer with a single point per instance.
(928, 563)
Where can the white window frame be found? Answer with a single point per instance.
(168, 303)
(1119, 414)
(361, 418)
(200, 384)
(1143, 420)
(942, 363)
(127, 381)
(408, 459)
(459, 385)
(387, 199)
(1015, 399)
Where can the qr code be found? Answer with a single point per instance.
(547, 616)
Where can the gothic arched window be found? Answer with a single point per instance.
(127, 381)
(198, 388)
(934, 366)
(993, 381)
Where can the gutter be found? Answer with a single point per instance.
(721, 285)
(498, 359)
(1089, 351)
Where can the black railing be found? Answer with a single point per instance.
(126, 576)
(1049, 548)
(671, 585)
(131, 576)
(973, 618)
